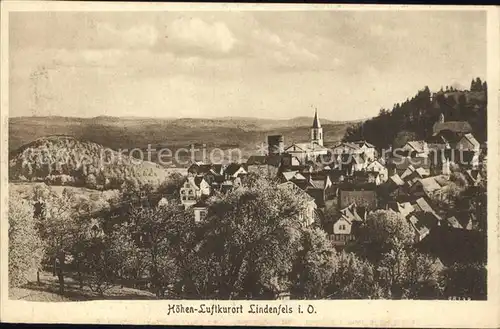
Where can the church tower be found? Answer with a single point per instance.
(316, 131)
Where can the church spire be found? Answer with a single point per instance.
(316, 131)
(316, 123)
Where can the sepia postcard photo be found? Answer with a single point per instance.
(308, 165)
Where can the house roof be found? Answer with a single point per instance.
(256, 160)
(429, 184)
(402, 163)
(473, 176)
(198, 180)
(294, 187)
(289, 174)
(200, 168)
(365, 143)
(217, 169)
(307, 147)
(453, 222)
(405, 206)
(396, 179)
(421, 172)
(453, 126)
(347, 158)
(472, 140)
(374, 163)
(353, 213)
(348, 144)
(365, 198)
(318, 195)
(418, 146)
(418, 225)
(232, 168)
(421, 205)
(318, 183)
(201, 203)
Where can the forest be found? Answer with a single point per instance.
(414, 118)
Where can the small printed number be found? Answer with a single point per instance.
(458, 298)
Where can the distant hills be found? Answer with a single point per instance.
(64, 160)
(132, 132)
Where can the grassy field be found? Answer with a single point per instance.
(48, 288)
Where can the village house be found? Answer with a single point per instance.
(404, 208)
(267, 165)
(294, 175)
(193, 189)
(416, 149)
(199, 169)
(308, 215)
(419, 229)
(399, 164)
(380, 168)
(428, 186)
(234, 170)
(320, 187)
(427, 214)
(200, 210)
(473, 177)
(358, 147)
(453, 142)
(393, 189)
(470, 150)
(344, 229)
(363, 196)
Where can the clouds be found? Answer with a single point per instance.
(140, 36)
(200, 36)
(348, 64)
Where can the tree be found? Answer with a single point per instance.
(354, 278)
(60, 229)
(102, 261)
(313, 269)
(465, 281)
(163, 233)
(251, 237)
(384, 231)
(405, 273)
(91, 181)
(25, 246)
(402, 138)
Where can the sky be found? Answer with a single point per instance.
(266, 64)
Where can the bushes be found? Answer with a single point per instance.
(25, 246)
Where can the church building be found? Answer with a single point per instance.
(309, 151)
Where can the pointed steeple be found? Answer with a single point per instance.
(316, 123)
(316, 130)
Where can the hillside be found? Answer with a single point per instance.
(415, 117)
(128, 133)
(64, 160)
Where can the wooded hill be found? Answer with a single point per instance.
(64, 160)
(415, 117)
